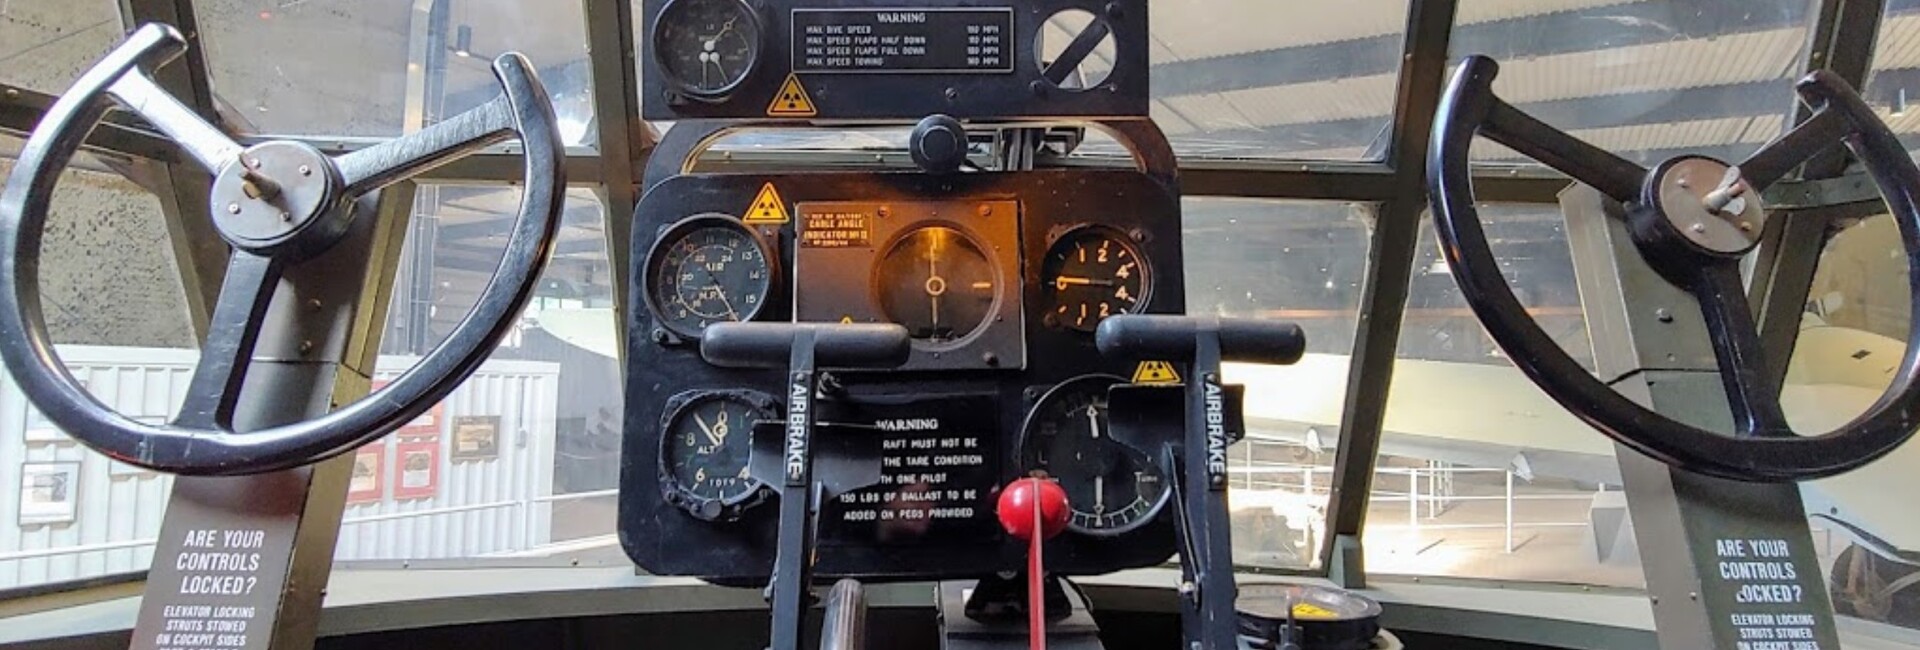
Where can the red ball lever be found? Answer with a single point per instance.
(1026, 506)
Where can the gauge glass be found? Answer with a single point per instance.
(937, 283)
(1111, 488)
(706, 47)
(705, 270)
(705, 449)
(1093, 273)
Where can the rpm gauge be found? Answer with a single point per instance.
(938, 283)
(1111, 488)
(706, 443)
(707, 269)
(1092, 273)
(706, 47)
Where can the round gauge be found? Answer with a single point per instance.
(706, 47)
(937, 283)
(706, 269)
(706, 441)
(1111, 488)
(1092, 273)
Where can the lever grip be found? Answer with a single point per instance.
(1170, 338)
(835, 345)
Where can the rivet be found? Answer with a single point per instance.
(1693, 595)
(1664, 315)
(286, 216)
(1683, 183)
(306, 171)
(986, 210)
(1746, 226)
(233, 208)
(1698, 227)
(306, 346)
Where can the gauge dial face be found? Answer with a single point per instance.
(1111, 488)
(705, 447)
(937, 283)
(704, 270)
(706, 47)
(1092, 273)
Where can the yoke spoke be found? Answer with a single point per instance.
(1751, 392)
(1614, 176)
(1773, 161)
(414, 154)
(206, 143)
(224, 358)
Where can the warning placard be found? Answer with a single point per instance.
(792, 100)
(1155, 372)
(767, 207)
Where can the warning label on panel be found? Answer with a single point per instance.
(903, 40)
(939, 464)
(767, 207)
(792, 100)
(1770, 603)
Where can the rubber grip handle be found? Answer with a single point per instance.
(1171, 338)
(835, 345)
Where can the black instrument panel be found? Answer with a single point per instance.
(959, 260)
(889, 59)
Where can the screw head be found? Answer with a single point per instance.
(1746, 226)
(233, 208)
(1664, 315)
(1698, 227)
(306, 171)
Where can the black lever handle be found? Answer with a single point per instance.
(1171, 338)
(770, 345)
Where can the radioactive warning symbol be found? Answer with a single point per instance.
(792, 100)
(1155, 372)
(767, 207)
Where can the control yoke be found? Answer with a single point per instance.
(803, 348)
(1692, 219)
(278, 204)
(1197, 465)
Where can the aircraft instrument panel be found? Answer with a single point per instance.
(999, 280)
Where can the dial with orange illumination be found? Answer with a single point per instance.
(1091, 273)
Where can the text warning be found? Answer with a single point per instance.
(914, 40)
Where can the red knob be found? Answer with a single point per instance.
(1016, 508)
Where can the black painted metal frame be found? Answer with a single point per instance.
(1841, 39)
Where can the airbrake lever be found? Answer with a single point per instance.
(805, 347)
(1199, 472)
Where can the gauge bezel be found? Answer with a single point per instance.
(672, 234)
(687, 89)
(1028, 424)
(763, 407)
(875, 290)
(1050, 294)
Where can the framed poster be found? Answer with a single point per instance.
(416, 469)
(425, 426)
(364, 486)
(49, 492)
(476, 437)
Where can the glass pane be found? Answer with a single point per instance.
(379, 68)
(1646, 80)
(521, 461)
(44, 46)
(66, 512)
(1480, 474)
(1851, 338)
(1298, 261)
(1317, 84)
(1894, 81)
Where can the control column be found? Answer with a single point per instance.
(804, 348)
